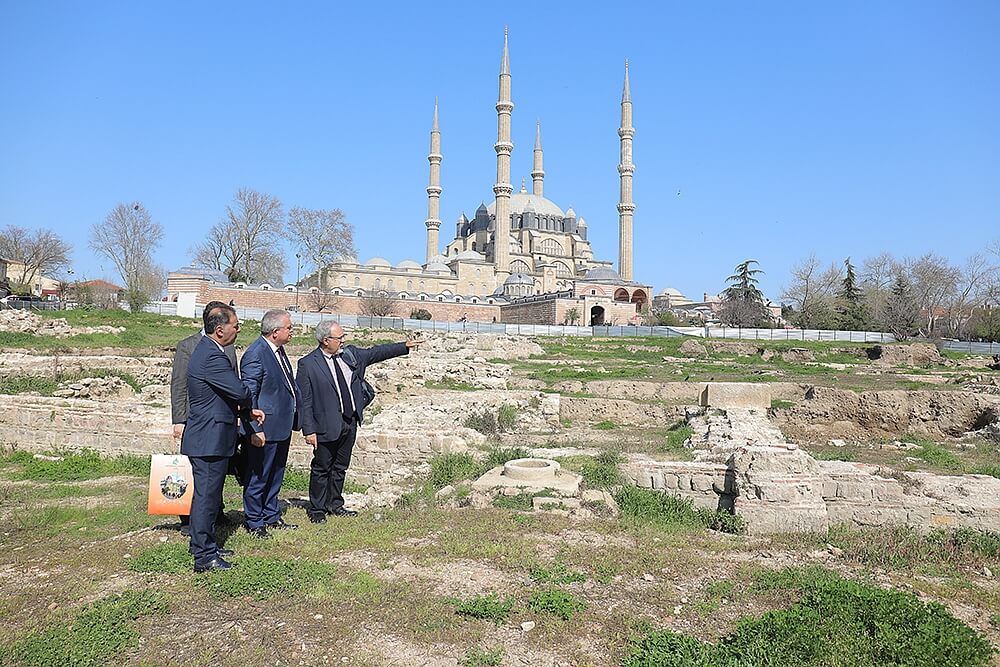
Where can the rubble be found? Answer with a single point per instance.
(25, 321)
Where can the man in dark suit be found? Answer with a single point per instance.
(267, 373)
(331, 411)
(216, 396)
(179, 392)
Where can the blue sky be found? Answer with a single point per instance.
(845, 128)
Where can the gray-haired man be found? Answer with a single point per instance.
(331, 411)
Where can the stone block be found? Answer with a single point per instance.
(736, 395)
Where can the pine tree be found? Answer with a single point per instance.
(852, 313)
(743, 302)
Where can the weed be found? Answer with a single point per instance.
(991, 469)
(298, 480)
(557, 574)
(677, 435)
(23, 384)
(779, 404)
(449, 468)
(558, 602)
(483, 421)
(449, 384)
(172, 558)
(500, 455)
(938, 455)
(86, 464)
(995, 620)
(606, 425)
(475, 657)
(264, 578)
(506, 418)
(521, 502)
(487, 607)
(666, 648)
(602, 471)
(98, 635)
(673, 512)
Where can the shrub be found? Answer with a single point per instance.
(449, 468)
(667, 511)
(554, 601)
(506, 418)
(97, 636)
(666, 648)
(521, 502)
(500, 455)
(557, 574)
(420, 314)
(483, 421)
(487, 607)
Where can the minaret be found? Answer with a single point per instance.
(502, 188)
(625, 170)
(433, 221)
(537, 173)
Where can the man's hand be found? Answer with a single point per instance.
(311, 440)
(258, 439)
(257, 416)
(413, 342)
(178, 431)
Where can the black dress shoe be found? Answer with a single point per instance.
(280, 524)
(216, 563)
(226, 553)
(317, 518)
(343, 511)
(260, 532)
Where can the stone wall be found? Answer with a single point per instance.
(531, 312)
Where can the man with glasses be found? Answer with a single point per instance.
(331, 411)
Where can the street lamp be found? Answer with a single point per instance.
(298, 274)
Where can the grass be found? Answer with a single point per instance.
(834, 622)
(606, 425)
(450, 385)
(490, 607)
(164, 558)
(264, 577)
(298, 480)
(603, 472)
(98, 635)
(903, 547)
(662, 510)
(557, 602)
(475, 657)
(74, 466)
(779, 404)
(557, 574)
(521, 502)
(677, 435)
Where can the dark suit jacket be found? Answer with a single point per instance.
(269, 391)
(320, 412)
(215, 397)
(178, 376)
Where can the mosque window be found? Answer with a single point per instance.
(423, 298)
(562, 270)
(378, 283)
(552, 247)
(473, 245)
(265, 287)
(357, 281)
(519, 266)
(389, 286)
(409, 284)
(422, 286)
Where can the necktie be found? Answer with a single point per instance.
(286, 367)
(345, 392)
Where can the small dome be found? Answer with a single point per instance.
(378, 261)
(603, 274)
(470, 256)
(519, 279)
(570, 213)
(437, 259)
(581, 223)
(482, 209)
(408, 264)
(436, 267)
(208, 274)
(670, 291)
(540, 205)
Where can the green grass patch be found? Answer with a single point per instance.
(557, 602)
(556, 574)
(606, 425)
(603, 470)
(23, 384)
(645, 506)
(265, 578)
(170, 558)
(903, 547)
(677, 435)
(76, 466)
(520, 502)
(779, 404)
(991, 469)
(99, 634)
(475, 657)
(450, 468)
(298, 480)
(490, 607)
(450, 384)
(938, 456)
(835, 622)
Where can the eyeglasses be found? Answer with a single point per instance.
(340, 337)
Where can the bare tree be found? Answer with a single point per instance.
(245, 244)
(128, 236)
(878, 274)
(932, 281)
(811, 293)
(39, 252)
(322, 300)
(320, 235)
(378, 304)
(971, 290)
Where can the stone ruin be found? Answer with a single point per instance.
(742, 463)
(25, 321)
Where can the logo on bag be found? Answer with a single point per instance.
(173, 486)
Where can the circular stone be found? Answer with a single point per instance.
(531, 469)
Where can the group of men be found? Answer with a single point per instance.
(218, 404)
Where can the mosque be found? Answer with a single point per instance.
(523, 256)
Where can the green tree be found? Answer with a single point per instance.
(573, 315)
(852, 313)
(743, 302)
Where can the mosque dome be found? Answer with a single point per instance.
(519, 279)
(378, 261)
(408, 264)
(437, 259)
(603, 274)
(519, 203)
(469, 255)
(670, 291)
(436, 267)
